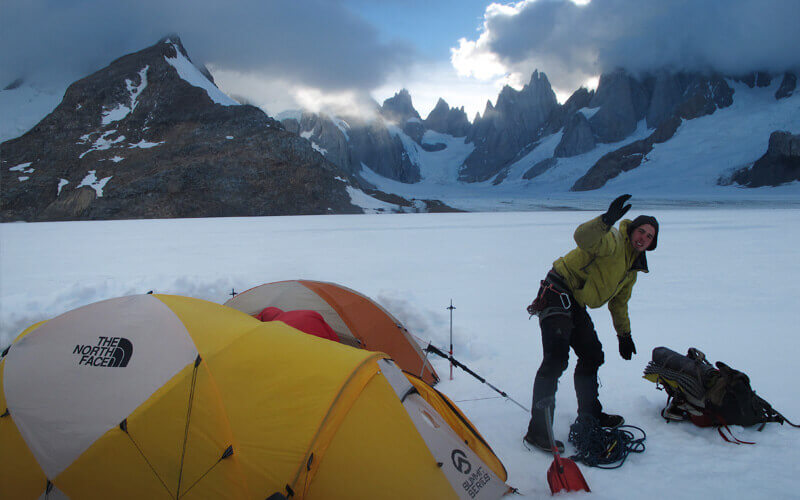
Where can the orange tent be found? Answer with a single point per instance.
(357, 320)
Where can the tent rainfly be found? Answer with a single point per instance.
(157, 396)
(358, 320)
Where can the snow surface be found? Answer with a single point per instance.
(25, 106)
(102, 143)
(143, 144)
(91, 181)
(341, 125)
(61, 184)
(123, 110)
(723, 280)
(369, 204)
(23, 167)
(193, 76)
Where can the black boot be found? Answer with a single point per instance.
(532, 441)
(610, 421)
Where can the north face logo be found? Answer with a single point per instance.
(109, 351)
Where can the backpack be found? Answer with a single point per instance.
(708, 395)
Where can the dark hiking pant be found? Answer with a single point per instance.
(562, 329)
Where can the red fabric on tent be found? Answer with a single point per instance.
(307, 321)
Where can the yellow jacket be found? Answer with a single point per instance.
(603, 269)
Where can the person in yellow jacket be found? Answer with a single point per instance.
(601, 270)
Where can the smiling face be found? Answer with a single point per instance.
(642, 237)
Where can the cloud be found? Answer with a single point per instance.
(572, 41)
(317, 43)
(275, 94)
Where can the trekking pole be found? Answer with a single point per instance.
(451, 338)
(432, 348)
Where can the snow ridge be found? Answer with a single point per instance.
(194, 77)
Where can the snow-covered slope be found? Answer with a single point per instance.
(722, 280)
(24, 106)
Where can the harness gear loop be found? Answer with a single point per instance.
(540, 303)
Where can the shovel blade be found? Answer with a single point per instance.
(564, 474)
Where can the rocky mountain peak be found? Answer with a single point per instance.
(399, 108)
(151, 136)
(441, 108)
(446, 120)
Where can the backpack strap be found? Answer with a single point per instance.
(733, 439)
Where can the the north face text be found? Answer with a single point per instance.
(109, 351)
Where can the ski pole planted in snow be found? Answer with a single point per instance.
(451, 337)
(453, 361)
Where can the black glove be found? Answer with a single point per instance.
(626, 347)
(616, 210)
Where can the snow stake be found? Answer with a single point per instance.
(451, 337)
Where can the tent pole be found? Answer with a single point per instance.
(432, 348)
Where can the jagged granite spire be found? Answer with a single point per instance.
(448, 121)
(516, 121)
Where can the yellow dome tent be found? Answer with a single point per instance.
(158, 396)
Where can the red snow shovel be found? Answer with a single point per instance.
(563, 473)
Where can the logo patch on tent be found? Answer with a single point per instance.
(460, 461)
(476, 481)
(112, 352)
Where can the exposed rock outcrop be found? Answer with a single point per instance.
(788, 86)
(578, 137)
(755, 79)
(539, 168)
(703, 95)
(372, 144)
(780, 164)
(328, 135)
(622, 101)
(354, 142)
(667, 94)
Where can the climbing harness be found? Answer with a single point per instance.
(540, 302)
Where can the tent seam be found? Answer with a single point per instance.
(333, 405)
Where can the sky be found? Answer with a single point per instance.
(698, 293)
(339, 54)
